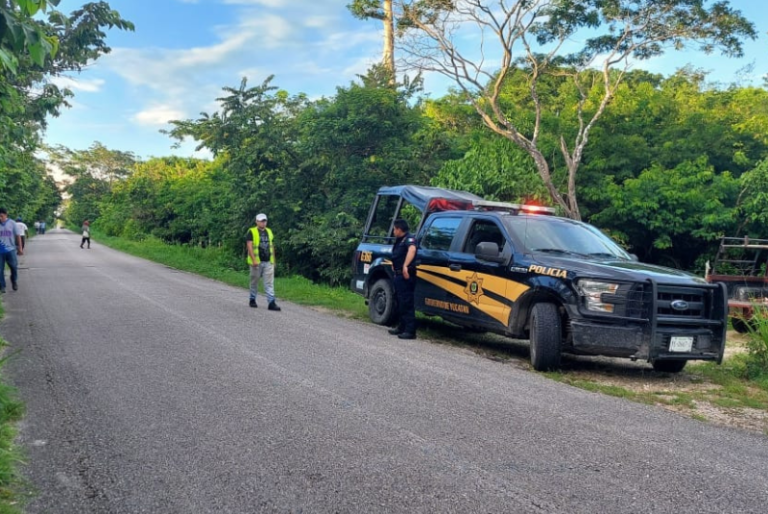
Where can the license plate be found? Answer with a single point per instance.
(681, 344)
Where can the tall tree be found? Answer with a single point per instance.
(380, 10)
(36, 43)
(254, 133)
(93, 172)
(534, 36)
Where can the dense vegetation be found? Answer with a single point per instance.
(674, 164)
(37, 44)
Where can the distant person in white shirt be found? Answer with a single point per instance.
(24, 229)
(10, 247)
(86, 234)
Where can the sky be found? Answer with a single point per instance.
(183, 52)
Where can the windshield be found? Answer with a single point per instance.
(564, 237)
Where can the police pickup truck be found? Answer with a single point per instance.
(523, 272)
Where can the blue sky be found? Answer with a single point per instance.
(184, 51)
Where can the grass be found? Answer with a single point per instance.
(217, 264)
(11, 411)
(670, 397)
(724, 387)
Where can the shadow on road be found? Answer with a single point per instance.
(517, 352)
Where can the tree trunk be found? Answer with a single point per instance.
(389, 39)
(568, 204)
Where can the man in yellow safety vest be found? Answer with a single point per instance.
(261, 258)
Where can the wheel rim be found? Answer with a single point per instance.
(380, 302)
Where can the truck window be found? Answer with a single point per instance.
(383, 217)
(548, 234)
(412, 215)
(484, 231)
(386, 213)
(440, 234)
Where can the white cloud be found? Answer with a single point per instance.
(359, 67)
(175, 71)
(312, 68)
(187, 147)
(265, 3)
(171, 83)
(293, 5)
(270, 30)
(343, 41)
(158, 115)
(254, 75)
(86, 86)
(320, 22)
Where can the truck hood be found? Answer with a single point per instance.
(619, 270)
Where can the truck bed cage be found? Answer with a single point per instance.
(743, 256)
(744, 242)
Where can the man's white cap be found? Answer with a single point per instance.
(261, 217)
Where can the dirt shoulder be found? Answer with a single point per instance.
(702, 391)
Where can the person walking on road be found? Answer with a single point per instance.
(259, 241)
(86, 234)
(10, 248)
(24, 229)
(404, 267)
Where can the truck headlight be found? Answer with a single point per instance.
(593, 290)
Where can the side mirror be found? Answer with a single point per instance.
(633, 257)
(489, 252)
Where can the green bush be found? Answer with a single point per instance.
(757, 344)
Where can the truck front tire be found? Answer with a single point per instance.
(381, 302)
(546, 336)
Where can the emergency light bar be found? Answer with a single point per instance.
(537, 209)
(486, 205)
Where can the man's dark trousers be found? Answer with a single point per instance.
(404, 290)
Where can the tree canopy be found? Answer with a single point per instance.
(37, 43)
(673, 164)
(528, 39)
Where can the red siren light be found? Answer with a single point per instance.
(532, 208)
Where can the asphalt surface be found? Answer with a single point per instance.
(150, 390)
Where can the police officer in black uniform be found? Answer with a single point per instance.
(404, 266)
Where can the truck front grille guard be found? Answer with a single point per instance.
(701, 308)
(707, 308)
(651, 300)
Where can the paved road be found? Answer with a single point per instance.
(155, 391)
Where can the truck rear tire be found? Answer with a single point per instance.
(381, 302)
(546, 336)
(672, 366)
(739, 325)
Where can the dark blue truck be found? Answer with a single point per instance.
(523, 272)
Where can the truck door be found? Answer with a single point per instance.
(482, 283)
(436, 239)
